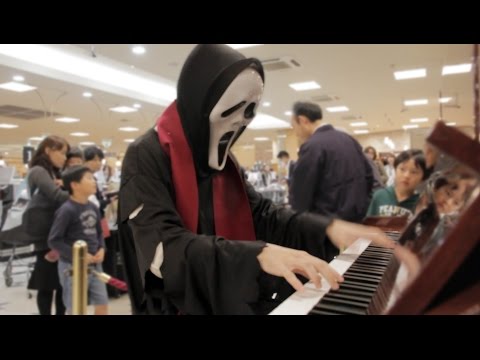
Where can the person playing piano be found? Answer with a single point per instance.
(196, 237)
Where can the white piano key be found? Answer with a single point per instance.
(301, 302)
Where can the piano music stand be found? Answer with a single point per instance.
(451, 274)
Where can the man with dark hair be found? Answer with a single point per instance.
(74, 157)
(93, 160)
(285, 162)
(332, 176)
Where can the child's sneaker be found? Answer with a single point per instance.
(52, 256)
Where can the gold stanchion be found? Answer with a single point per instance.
(79, 278)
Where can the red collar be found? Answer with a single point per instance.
(232, 213)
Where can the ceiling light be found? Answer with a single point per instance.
(261, 138)
(8, 126)
(288, 113)
(86, 143)
(361, 123)
(406, 127)
(138, 50)
(267, 104)
(129, 140)
(79, 134)
(128, 129)
(360, 132)
(70, 64)
(242, 46)
(416, 102)
(15, 86)
(123, 109)
(456, 69)
(264, 121)
(410, 74)
(87, 94)
(337, 109)
(36, 138)
(307, 85)
(451, 123)
(19, 78)
(444, 100)
(67, 119)
(283, 136)
(419, 120)
(137, 106)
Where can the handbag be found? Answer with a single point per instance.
(37, 219)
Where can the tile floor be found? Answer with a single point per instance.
(17, 300)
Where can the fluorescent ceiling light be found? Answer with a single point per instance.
(361, 123)
(264, 121)
(67, 119)
(267, 104)
(36, 138)
(451, 123)
(8, 126)
(15, 86)
(87, 94)
(80, 134)
(283, 136)
(307, 85)
(410, 74)
(261, 138)
(123, 109)
(129, 140)
(406, 127)
(138, 50)
(19, 78)
(456, 69)
(86, 143)
(288, 113)
(419, 120)
(242, 46)
(360, 132)
(416, 102)
(137, 106)
(128, 129)
(71, 64)
(389, 142)
(337, 109)
(444, 100)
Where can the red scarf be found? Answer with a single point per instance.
(232, 213)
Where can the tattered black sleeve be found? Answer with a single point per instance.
(303, 231)
(201, 274)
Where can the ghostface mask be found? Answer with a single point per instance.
(232, 114)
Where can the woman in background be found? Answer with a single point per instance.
(44, 181)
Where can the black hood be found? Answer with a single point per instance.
(206, 74)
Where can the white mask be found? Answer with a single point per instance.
(238, 105)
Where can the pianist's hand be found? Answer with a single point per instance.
(285, 262)
(342, 234)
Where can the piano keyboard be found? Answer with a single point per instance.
(369, 273)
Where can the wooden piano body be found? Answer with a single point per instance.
(447, 279)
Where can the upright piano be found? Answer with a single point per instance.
(442, 275)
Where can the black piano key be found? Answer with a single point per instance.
(340, 309)
(343, 295)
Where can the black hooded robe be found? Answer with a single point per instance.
(202, 273)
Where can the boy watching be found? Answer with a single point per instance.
(400, 199)
(79, 219)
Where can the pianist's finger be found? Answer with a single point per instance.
(329, 273)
